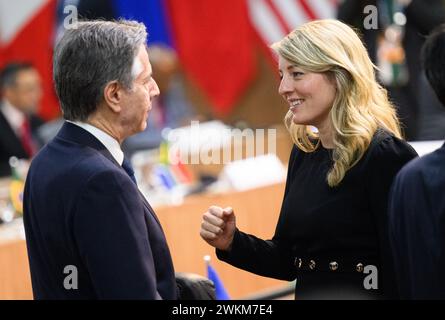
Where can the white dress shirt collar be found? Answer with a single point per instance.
(14, 116)
(108, 141)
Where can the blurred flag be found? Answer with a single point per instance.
(152, 13)
(215, 40)
(16, 195)
(274, 19)
(16, 187)
(202, 32)
(221, 293)
(165, 177)
(181, 171)
(215, 43)
(26, 35)
(163, 152)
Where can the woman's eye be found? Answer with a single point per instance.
(297, 74)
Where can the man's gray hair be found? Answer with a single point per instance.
(90, 56)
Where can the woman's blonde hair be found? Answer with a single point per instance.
(361, 105)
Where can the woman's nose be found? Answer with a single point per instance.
(285, 86)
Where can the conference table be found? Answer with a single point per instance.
(256, 210)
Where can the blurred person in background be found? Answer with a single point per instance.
(333, 220)
(20, 93)
(417, 202)
(171, 109)
(82, 206)
(395, 48)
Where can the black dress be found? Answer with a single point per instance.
(326, 236)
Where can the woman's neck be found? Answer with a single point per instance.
(326, 135)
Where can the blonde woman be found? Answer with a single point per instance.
(333, 220)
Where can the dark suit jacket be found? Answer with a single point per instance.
(82, 209)
(417, 227)
(10, 144)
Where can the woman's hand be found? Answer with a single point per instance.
(218, 227)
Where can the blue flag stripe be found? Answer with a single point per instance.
(152, 13)
(221, 293)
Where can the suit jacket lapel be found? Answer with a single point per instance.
(150, 209)
(74, 133)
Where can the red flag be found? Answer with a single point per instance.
(215, 42)
(27, 35)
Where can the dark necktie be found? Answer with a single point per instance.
(26, 139)
(129, 169)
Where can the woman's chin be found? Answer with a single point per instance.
(298, 120)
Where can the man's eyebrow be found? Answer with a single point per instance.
(147, 76)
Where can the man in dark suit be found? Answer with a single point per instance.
(90, 233)
(20, 92)
(417, 202)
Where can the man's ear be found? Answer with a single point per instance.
(113, 95)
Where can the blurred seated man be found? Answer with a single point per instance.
(20, 93)
(171, 108)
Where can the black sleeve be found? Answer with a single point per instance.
(112, 238)
(396, 209)
(386, 159)
(268, 258)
